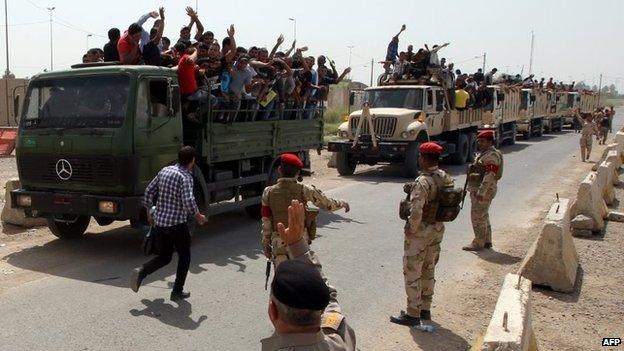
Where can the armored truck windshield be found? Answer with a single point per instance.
(77, 102)
(396, 98)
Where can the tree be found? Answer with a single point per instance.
(595, 88)
(581, 86)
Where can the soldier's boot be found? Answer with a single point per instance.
(488, 245)
(179, 295)
(472, 248)
(425, 315)
(405, 319)
(137, 278)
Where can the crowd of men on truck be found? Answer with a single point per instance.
(232, 77)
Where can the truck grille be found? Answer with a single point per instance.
(85, 170)
(384, 126)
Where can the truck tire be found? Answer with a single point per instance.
(68, 228)
(527, 135)
(345, 163)
(514, 135)
(411, 159)
(472, 142)
(463, 148)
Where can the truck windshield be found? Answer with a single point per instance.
(77, 102)
(398, 98)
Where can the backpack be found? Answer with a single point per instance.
(444, 208)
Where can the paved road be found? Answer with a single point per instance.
(88, 306)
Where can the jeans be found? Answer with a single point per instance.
(168, 239)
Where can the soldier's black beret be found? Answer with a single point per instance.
(299, 285)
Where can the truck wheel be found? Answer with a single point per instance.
(68, 227)
(345, 163)
(411, 160)
(512, 140)
(472, 142)
(527, 135)
(463, 148)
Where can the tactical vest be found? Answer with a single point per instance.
(281, 196)
(443, 206)
(476, 171)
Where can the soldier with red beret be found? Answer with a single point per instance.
(483, 176)
(423, 236)
(276, 199)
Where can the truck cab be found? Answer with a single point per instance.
(530, 123)
(501, 113)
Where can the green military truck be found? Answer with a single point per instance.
(91, 139)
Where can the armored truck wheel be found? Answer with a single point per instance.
(411, 160)
(460, 155)
(68, 226)
(345, 163)
(472, 143)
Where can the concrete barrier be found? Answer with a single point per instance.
(619, 139)
(510, 328)
(17, 216)
(590, 203)
(604, 177)
(614, 157)
(611, 148)
(552, 259)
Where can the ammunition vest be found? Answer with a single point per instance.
(281, 196)
(441, 206)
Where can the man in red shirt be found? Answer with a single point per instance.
(128, 45)
(187, 71)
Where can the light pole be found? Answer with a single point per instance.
(294, 20)
(350, 52)
(50, 9)
(7, 73)
(88, 36)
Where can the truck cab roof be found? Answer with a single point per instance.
(394, 87)
(107, 69)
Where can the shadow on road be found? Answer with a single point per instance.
(496, 257)
(178, 317)
(441, 339)
(564, 297)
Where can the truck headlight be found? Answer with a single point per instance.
(24, 200)
(108, 207)
(405, 135)
(344, 134)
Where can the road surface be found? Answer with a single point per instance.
(84, 303)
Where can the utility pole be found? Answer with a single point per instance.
(88, 36)
(7, 73)
(372, 71)
(532, 48)
(484, 63)
(350, 52)
(50, 9)
(294, 20)
(599, 89)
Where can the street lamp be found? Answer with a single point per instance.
(88, 36)
(50, 9)
(294, 20)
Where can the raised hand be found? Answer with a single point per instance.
(161, 12)
(294, 43)
(347, 71)
(231, 31)
(191, 13)
(296, 219)
(154, 14)
(280, 39)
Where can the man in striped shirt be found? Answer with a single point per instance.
(172, 191)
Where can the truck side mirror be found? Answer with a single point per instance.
(16, 107)
(351, 98)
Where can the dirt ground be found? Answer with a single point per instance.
(575, 321)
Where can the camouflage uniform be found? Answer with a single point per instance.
(587, 131)
(422, 244)
(275, 202)
(491, 160)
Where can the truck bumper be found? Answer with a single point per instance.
(42, 203)
(366, 149)
(522, 126)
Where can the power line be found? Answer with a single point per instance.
(64, 22)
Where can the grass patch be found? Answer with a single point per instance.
(616, 102)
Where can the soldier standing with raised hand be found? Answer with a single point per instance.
(423, 235)
(277, 198)
(483, 176)
(588, 129)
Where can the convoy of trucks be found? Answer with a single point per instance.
(404, 114)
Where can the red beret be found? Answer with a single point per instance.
(430, 148)
(486, 134)
(291, 159)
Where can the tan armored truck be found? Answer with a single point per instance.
(395, 119)
(500, 114)
(529, 123)
(546, 106)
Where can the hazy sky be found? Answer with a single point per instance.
(574, 39)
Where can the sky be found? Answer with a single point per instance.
(574, 39)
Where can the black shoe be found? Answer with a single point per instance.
(425, 315)
(404, 319)
(488, 245)
(136, 279)
(176, 296)
(471, 248)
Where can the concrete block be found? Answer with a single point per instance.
(605, 173)
(332, 160)
(614, 216)
(590, 202)
(611, 148)
(510, 328)
(552, 259)
(614, 157)
(582, 222)
(582, 233)
(17, 216)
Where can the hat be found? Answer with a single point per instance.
(299, 285)
(486, 134)
(430, 148)
(291, 159)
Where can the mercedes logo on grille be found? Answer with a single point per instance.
(64, 169)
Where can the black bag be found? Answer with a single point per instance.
(150, 244)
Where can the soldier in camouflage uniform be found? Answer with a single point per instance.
(588, 129)
(277, 198)
(423, 236)
(483, 176)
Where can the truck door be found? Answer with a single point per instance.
(157, 127)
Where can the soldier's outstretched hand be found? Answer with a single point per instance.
(296, 218)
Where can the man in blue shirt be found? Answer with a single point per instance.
(172, 191)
